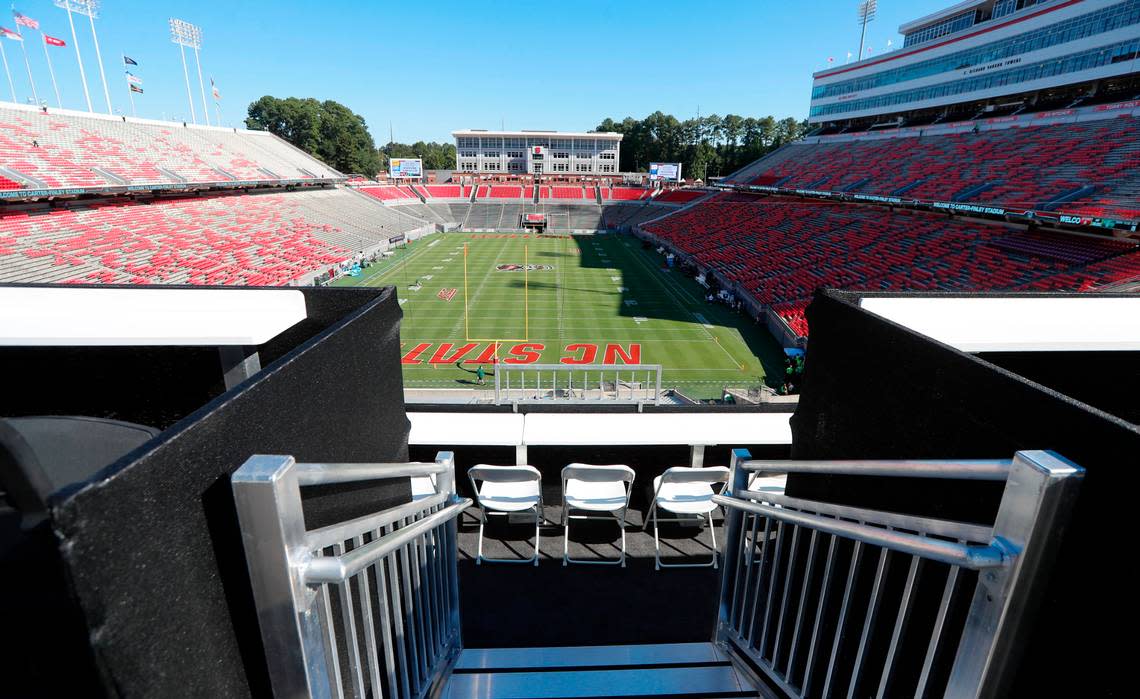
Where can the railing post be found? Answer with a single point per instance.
(734, 521)
(268, 501)
(1035, 507)
(447, 485)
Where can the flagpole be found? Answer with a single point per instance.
(98, 55)
(130, 92)
(8, 72)
(28, 65)
(51, 71)
(186, 74)
(202, 88)
(78, 56)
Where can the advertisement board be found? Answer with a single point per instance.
(668, 172)
(405, 167)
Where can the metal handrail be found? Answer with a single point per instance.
(975, 470)
(964, 555)
(936, 527)
(321, 474)
(365, 607)
(822, 579)
(318, 539)
(337, 569)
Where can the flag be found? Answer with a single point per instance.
(132, 78)
(25, 20)
(136, 88)
(127, 60)
(214, 89)
(52, 41)
(9, 34)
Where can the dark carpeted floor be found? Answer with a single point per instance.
(550, 605)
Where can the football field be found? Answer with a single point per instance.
(599, 299)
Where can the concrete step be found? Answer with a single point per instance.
(668, 670)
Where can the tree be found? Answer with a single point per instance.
(710, 146)
(436, 156)
(326, 130)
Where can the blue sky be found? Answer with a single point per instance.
(431, 67)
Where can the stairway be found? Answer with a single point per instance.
(669, 670)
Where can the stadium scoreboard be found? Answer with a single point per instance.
(665, 172)
(405, 168)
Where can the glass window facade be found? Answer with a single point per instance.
(1125, 14)
(936, 31)
(1093, 58)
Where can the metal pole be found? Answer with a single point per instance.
(27, 64)
(186, 74)
(862, 38)
(130, 92)
(78, 57)
(8, 72)
(51, 71)
(202, 88)
(99, 58)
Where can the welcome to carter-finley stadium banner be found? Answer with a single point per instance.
(520, 353)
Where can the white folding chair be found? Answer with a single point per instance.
(595, 489)
(504, 490)
(685, 492)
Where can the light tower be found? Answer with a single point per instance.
(91, 9)
(74, 6)
(866, 13)
(188, 35)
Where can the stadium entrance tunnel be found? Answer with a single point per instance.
(284, 530)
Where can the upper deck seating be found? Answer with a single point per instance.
(1091, 166)
(53, 150)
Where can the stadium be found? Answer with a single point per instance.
(277, 420)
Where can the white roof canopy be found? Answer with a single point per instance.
(69, 316)
(1019, 324)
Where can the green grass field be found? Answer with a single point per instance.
(591, 290)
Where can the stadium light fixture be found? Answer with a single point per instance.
(866, 13)
(188, 35)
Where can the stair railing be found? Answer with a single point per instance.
(820, 599)
(363, 607)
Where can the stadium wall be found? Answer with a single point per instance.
(145, 559)
(874, 389)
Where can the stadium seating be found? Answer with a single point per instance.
(781, 250)
(442, 191)
(263, 239)
(51, 150)
(505, 192)
(6, 184)
(386, 193)
(1093, 166)
(625, 193)
(680, 196)
(567, 193)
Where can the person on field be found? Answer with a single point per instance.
(480, 375)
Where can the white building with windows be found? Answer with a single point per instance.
(986, 55)
(536, 152)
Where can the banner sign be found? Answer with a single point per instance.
(665, 172)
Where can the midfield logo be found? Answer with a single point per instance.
(447, 294)
(519, 268)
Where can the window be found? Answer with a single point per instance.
(1092, 58)
(516, 154)
(608, 155)
(514, 167)
(468, 142)
(467, 165)
(563, 155)
(583, 167)
(491, 154)
(1091, 24)
(560, 167)
(606, 167)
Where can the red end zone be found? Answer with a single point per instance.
(521, 353)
